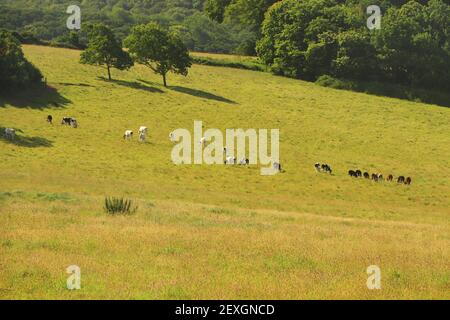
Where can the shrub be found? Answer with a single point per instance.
(15, 70)
(247, 65)
(119, 206)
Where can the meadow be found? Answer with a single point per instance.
(206, 232)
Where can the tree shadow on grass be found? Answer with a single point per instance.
(68, 84)
(133, 85)
(23, 141)
(201, 94)
(40, 97)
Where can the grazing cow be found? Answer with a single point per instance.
(390, 178)
(66, 121)
(327, 168)
(172, 137)
(230, 160)
(277, 166)
(317, 166)
(380, 177)
(50, 119)
(358, 173)
(244, 162)
(375, 177)
(366, 175)
(74, 123)
(10, 133)
(143, 130)
(128, 135)
(202, 141)
(352, 173)
(143, 133)
(408, 181)
(401, 179)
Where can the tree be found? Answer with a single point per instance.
(159, 50)
(15, 69)
(413, 44)
(356, 56)
(104, 50)
(215, 9)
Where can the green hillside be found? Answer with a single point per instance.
(299, 234)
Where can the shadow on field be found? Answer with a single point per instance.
(133, 85)
(23, 141)
(381, 89)
(68, 84)
(201, 94)
(36, 98)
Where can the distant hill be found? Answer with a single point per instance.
(46, 20)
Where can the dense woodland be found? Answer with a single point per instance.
(315, 40)
(46, 20)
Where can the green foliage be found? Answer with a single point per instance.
(386, 89)
(104, 50)
(247, 15)
(15, 69)
(119, 206)
(216, 9)
(69, 40)
(309, 38)
(159, 50)
(46, 20)
(247, 65)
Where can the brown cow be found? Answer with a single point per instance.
(408, 181)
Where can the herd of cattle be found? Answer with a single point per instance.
(143, 131)
(379, 177)
(10, 133)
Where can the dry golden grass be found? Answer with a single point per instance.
(176, 250)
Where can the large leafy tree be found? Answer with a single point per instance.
(104, 50)
(159, 50)
(299, 37)
(246, 15)
(309, 38)
(15, 69)
(414, 44)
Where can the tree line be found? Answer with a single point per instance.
(307, 39)
(44, 22)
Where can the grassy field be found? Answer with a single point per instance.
(206, 232)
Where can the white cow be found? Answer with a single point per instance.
(143, 130)
(202, 141)
(230, 160)
(244, 162)
(172, 137)
(10, 133)
(143, 133)
(128, 135)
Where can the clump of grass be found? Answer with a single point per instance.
(119, 206)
